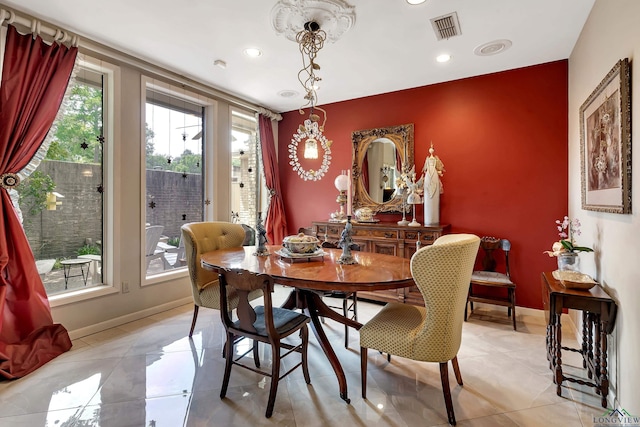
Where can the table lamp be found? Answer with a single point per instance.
(342, 185)
(414, 199)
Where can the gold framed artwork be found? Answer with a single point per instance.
(605, 143)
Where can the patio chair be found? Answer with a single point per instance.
(152, 237)
(173, 256)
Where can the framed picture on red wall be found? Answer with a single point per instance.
(605, 143)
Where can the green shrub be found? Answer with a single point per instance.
(88, 250)
(174, 241)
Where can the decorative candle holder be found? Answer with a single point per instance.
(414, 199)
(261, 250)
(345, 243)
(404, 221)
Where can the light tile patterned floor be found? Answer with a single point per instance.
(148, 373)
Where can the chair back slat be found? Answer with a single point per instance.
(243, 282)
(490, 249)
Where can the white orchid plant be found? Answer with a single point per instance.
(567, 230)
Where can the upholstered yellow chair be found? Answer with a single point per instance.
(431, 333)
(202, 237)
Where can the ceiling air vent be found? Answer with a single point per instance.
(446, 26)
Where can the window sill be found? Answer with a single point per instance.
(166, 276)
(81, 295)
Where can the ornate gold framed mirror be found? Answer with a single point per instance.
(379, 157)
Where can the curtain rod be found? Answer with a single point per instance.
(37, 27)
(63, 36)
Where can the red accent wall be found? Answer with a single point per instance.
(503, 140)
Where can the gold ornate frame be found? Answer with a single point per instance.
(402, 137)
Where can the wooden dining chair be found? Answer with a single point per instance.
(431, 333)
(349, 299)
(264, 323)
(493, 276)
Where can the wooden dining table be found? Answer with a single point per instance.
(308, 276)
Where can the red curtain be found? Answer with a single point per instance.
(276, 222)
(34, 79)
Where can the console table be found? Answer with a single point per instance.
(385, 238)
(598, 317)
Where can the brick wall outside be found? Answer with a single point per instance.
(78, 220)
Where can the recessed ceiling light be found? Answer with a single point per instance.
(415, 1)
(287, 93)
(443, 58)
(252, 52)
(492, 48)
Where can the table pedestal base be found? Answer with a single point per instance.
(314, 307)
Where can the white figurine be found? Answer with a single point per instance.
(433, 170)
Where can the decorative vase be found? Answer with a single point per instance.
(568, 261)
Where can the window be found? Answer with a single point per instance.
(63, 199)
(245, 171)
(174, 138)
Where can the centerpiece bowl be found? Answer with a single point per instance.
(301, 244)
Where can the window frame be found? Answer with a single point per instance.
(209, 126)
(111, 182)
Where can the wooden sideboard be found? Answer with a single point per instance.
(385, 238)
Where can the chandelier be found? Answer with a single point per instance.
(309, 134)
(300, 21)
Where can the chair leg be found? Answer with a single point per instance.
(345, 312)
(275, 378)
(227, 366)
(444, 377)
(456, 370)
(304, 334)
(512, 298)
(256, 356)
(355, 306)
(363, 371)
(195, 316)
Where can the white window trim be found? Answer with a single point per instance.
(111, 195)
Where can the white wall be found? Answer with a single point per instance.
(610, 34)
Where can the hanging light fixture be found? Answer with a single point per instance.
(301, 21)
(310, 41)
(309, 134)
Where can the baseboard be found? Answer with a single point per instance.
(115, 322)
(532, 315)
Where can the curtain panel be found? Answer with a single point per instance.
(35, 76)
(276, 222)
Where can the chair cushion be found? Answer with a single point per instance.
(393, 329)
(491, 277)
(284, 320)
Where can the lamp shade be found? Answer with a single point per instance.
(311, 149)
(342, 182)
(414, 199)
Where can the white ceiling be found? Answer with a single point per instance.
(391, 46)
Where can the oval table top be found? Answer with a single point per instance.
(373, 272)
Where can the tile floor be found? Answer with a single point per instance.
(148, 373)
